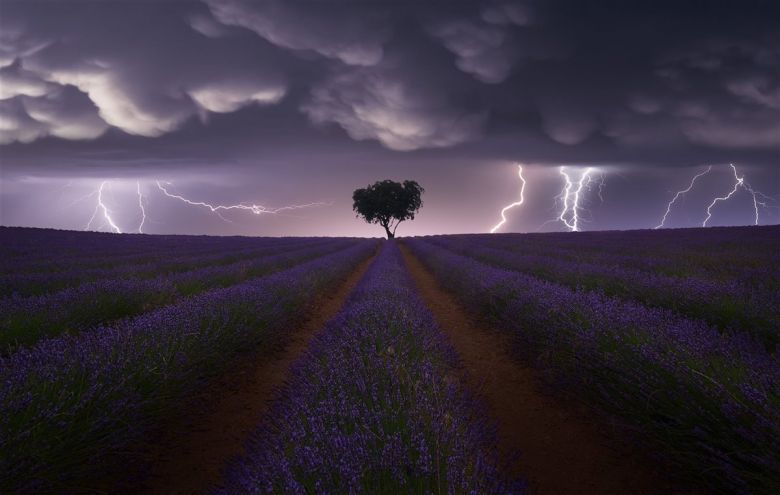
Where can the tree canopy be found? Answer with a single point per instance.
(388, 203)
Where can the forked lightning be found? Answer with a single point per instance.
(680, 193)
(759, 198)
(512, 205)
(253, 208)
(572, 200)
(141, 206)
(106, 212)
(739, 182)
(102, 207)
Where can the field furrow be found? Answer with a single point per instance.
(374, 407)
(708, 401)
(48, 281)
(25, 250)
(24, 321)
(208, 429)
(71, 403)
(732, 307)
(615, 362)
(716, 254)
(535, 429)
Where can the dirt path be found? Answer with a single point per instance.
(190, 454)
(561, 450)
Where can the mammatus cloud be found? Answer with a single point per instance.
(354, 36)
(410, 75)
(565, 122)
(727, 93)
(479, 48)
(118, 106)
(734, 128)
(723, 94)
(67, 114)
(391, 107)
(31, 108)
(483, 45)
(76, 83)
(16, 125)
(229, 96)
(15, 81)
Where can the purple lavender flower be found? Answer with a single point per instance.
(368, 409)
(709, 401)
(25, 320)
(71, 402)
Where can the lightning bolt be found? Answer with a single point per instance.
(602, 184)
(680, 193)
(106, 212)
(740, 182)
(253, 208)
(516, 203)
(565, 196)
(141, 206)
(756, 202)
(570, 215)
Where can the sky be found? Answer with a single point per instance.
(113, 113)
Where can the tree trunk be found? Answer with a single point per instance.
(390, 235)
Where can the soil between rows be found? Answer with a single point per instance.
(561, 450)
(212, 427)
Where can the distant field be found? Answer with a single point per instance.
(365, 365)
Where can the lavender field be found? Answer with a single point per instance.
(667, 340)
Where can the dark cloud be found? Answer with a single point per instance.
(632, 72)
(353, 34)
(386, 102)
(144, 68)
(481, 48)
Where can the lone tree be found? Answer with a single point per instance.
(385, 202)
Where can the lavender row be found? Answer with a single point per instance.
(730, 306)
(747, 255)
(69, 275)
(374, 407)
(710, 402)
(70, 404)
(743, 266)
(97, 250)
(35, 246)
(27, 242)
(24, 321)
(761, 241)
